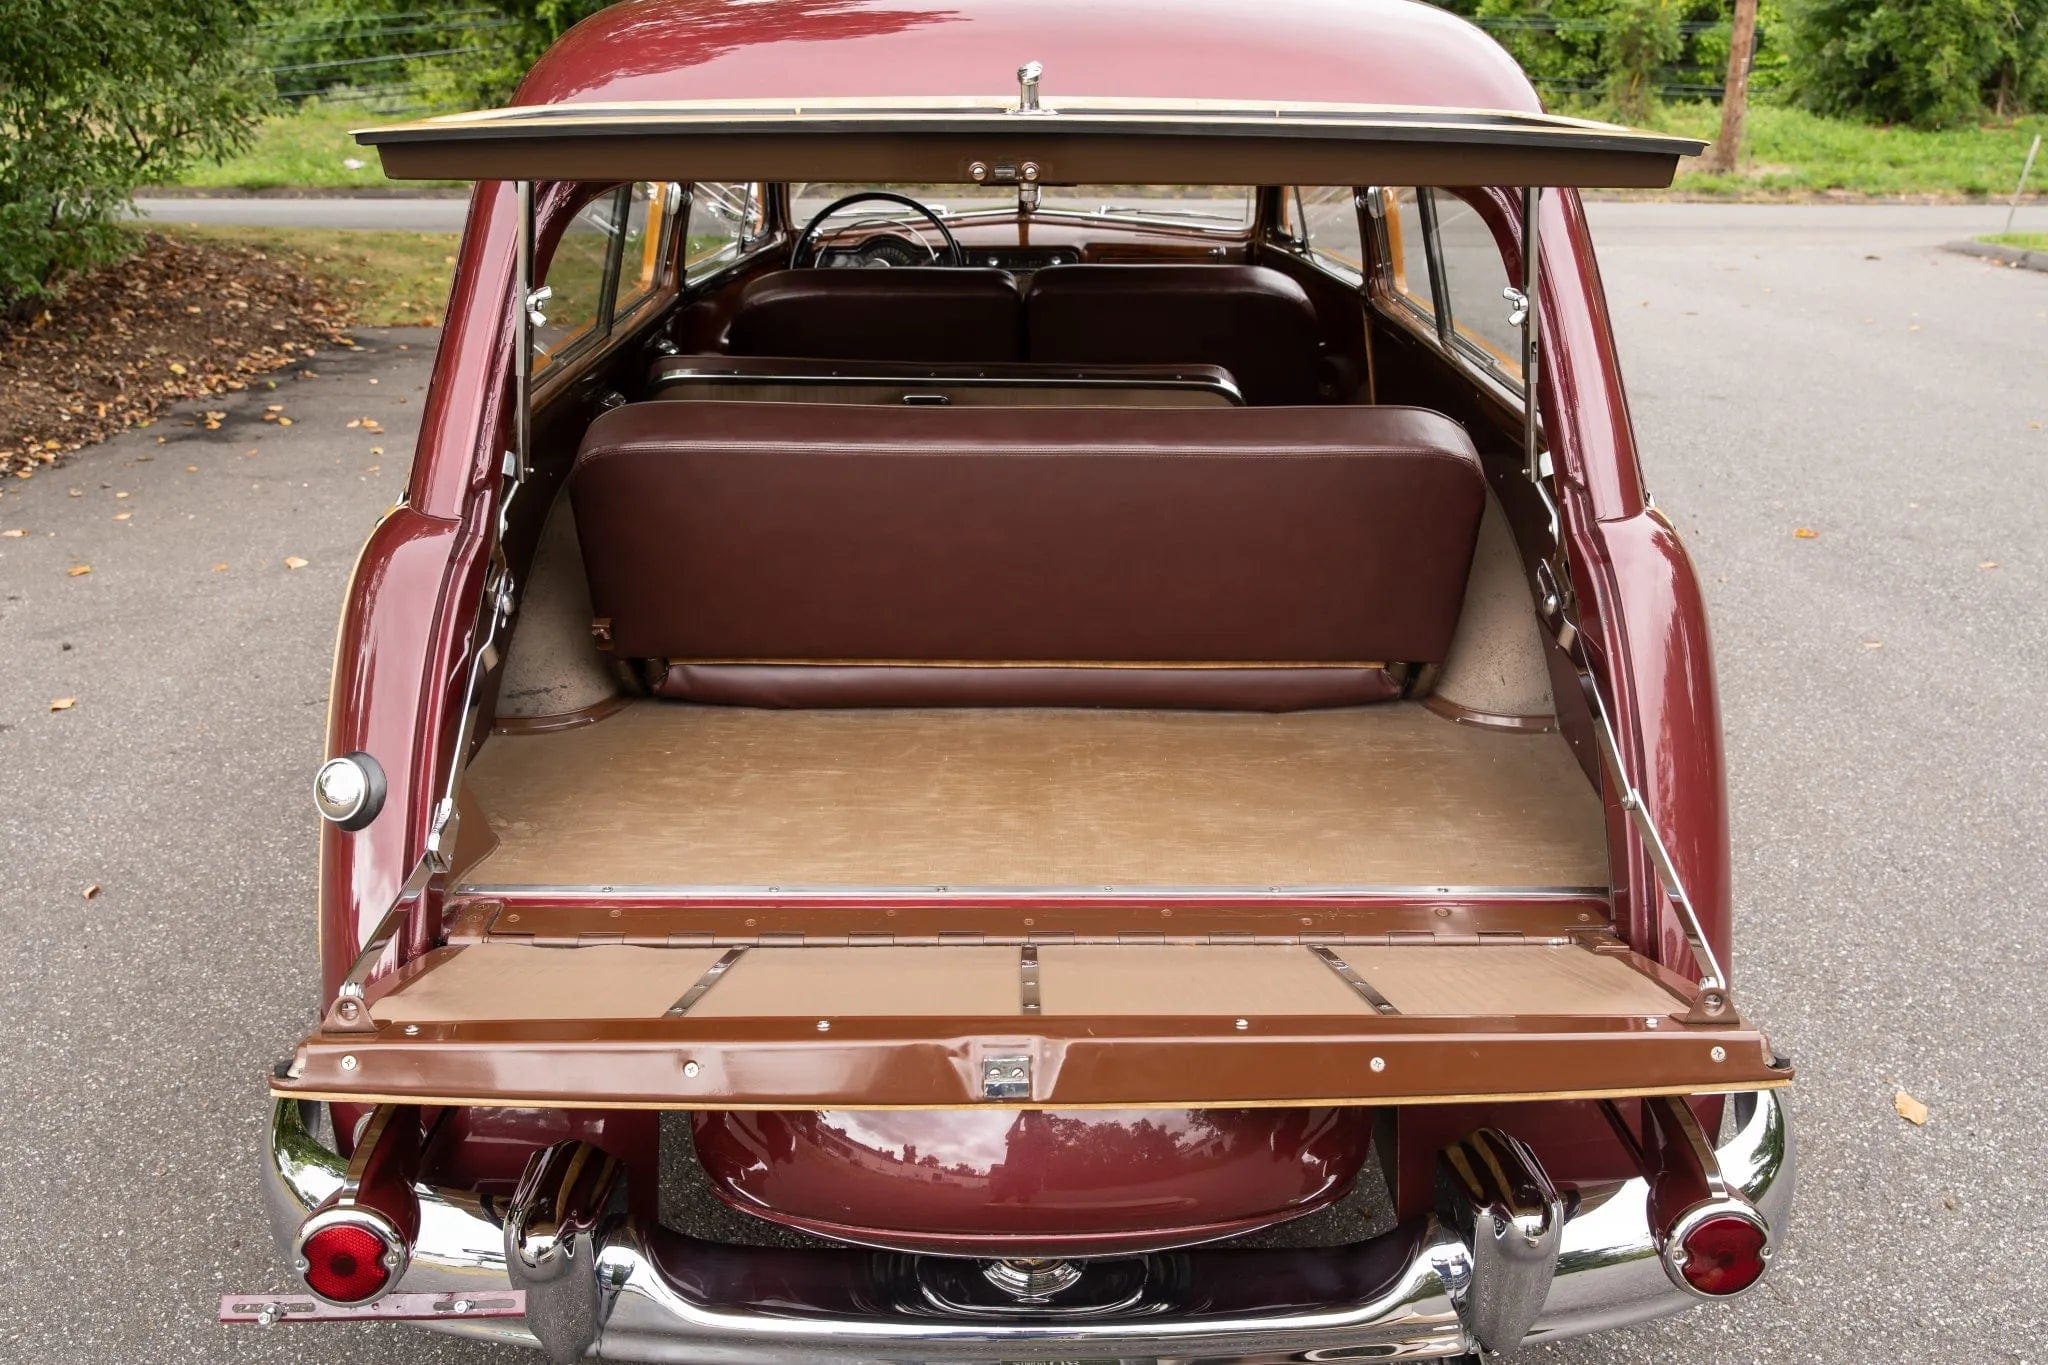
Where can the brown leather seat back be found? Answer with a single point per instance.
(820, 554)
(766, 379)
(1254, 322)
(932, 313)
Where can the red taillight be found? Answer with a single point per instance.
(1723, 1254)
(345, 1263)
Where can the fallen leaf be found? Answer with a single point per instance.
(122, 516)
(284, 421)
(273, 407)
(63, 703)
(220, 568)
(1910, 1109)
(1988, 564)
(14, 532)
(376, 450)
(90, 891)
(177, 368)
(1805, 533)
(294, 562)
(79, 570)
(1873, 644)
(355, 422)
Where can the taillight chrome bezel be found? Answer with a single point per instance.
(1672, 1252)
(397, 1255)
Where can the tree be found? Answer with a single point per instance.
(1925, 62)
(98, 98)
(1722, 157)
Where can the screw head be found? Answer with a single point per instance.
(348, 1061)
(348, 1010)
(824, 1026)
(691, 1068)
(412, 1030)
(1719, 1054)
(1243, 1024)
(1379, 1064)
(462, 1305)
(978, 172)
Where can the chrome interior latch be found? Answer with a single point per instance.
(1006, 1076)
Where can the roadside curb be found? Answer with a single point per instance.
(2019, 258)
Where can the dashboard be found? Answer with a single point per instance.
(888, 250)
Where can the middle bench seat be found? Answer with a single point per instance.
(835, 555)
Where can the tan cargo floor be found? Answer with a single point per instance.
(668, 795)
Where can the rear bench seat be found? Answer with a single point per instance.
(776, 554)
(757, 379)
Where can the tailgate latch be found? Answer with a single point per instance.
(1005, 1076)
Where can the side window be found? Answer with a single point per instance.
(648, 210)
(1474, 275)
(1408, 250)
(725, 219)
(575, 278)
(1324, 219)
(1444, 264)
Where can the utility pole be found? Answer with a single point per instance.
(1721, 158)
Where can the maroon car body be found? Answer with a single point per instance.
(1592, 1150)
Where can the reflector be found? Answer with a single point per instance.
(345, 1263)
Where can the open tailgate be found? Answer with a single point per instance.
(580, 1007)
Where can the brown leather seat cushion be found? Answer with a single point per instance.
(758, 379)
(758, 535)
(1254, 322)
(961, 314)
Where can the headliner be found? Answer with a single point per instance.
(1340, 51)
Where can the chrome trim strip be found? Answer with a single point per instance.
(1394, 1294)
(704, 983)
(1352, 979)
(700, 891)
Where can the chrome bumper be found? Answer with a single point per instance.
(634, 1292)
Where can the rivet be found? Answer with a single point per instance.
(978, 172)
(1719, 1054)
(1243, 1024)
(1379, 1064)
(1650, 1021)
(1764, 1254)
(1166, 914)
(1443, 912)
(616, 912)
(1030, 172)
(348, 1010)
(691, 1068)
(1549, 603)
(412, 1030)
(1585, 917)
(348, 1061)
(824, 1026)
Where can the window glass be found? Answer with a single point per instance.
(576, 276)
(1407, 258)
(1474, 275)
(640, 257)
(1325, 220)
(724, 220)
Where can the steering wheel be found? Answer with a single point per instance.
(804, 253)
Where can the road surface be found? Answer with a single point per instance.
(1825, 368)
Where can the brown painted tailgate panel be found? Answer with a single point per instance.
(892, 1026)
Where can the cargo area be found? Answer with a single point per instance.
(672, 797)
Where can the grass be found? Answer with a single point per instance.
(2025, 241)
(388, 278)
(307, 149)
(1793, 153)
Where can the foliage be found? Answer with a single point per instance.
(1930, 63)
(385, 277)
(1791, 151)
(98, 98)
(499, 55)
(1620, 56)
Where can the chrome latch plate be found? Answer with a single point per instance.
(1006, 1076)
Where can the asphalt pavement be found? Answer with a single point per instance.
(1825, 368)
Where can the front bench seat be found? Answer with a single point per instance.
(929, 313)
(1253, 321)
(824, 555)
